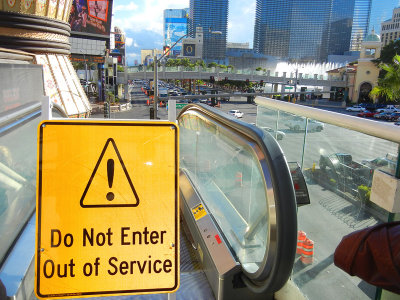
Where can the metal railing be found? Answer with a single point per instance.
(338, 155)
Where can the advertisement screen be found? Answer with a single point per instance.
(91, 16)
(119, 41)
(175, 28)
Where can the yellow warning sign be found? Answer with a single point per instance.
(107, 208)
(126, 193)
(198, 211)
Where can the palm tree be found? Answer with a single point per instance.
(389, 86)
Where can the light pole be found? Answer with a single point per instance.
(155, 80)
(156, 60)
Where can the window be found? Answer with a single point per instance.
(370, 53)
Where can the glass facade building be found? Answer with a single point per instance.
(175, 27)
(309, 29)
(362, 13)
(212, 16)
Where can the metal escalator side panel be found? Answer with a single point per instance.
(205, 226)
(276, 266)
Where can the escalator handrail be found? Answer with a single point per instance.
(271, 275)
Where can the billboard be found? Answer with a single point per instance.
(119, 41)
(91, 16)
(175, 28)
(189, 50)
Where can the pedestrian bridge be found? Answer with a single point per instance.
(165, 73)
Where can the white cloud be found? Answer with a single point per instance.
(129, 41)
(149, 16)
(133, 55)
(250, 9)
(125, 7)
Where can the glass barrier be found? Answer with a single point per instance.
(226, 170)
(338, 165)
(17, 179)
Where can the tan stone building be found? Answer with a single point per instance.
(367, 72)
(361, 77)
(147, 56)
(390, 29)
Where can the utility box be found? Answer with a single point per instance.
(385, 191)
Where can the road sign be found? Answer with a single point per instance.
(288, 88)
(181, 105)
(107, 209)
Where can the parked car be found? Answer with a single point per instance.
(389, 108)
(279, 135)
(367, 114)
(355, 108)
(387, 163)
(382, 115)
(393, 116)
(236, 113)
(299, 124)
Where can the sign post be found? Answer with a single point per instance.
(107, 209)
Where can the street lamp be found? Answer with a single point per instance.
(156, 60)
(155, 81)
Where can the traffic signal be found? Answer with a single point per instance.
(261, 82)
(247, 81)
(212, 79)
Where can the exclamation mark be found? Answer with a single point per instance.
(110, 175)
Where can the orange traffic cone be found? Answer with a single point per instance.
(148, 102)
(239, 179)
(307, 257)
(301, 237)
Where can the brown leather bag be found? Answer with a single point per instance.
(373, 254)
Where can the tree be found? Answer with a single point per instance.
(388, 52)
(389, 86)
(259, 69)
(212, 65)
(201, 63)
(185, 62)
(78, 65)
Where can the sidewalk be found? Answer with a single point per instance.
(321, 103)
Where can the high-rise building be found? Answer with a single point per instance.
(390, 29)
(212, 16)
(362, 13)
(175, 27)
(310, 29)
(337, 39)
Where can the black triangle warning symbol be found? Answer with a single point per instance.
(110, 184)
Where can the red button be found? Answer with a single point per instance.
(218, 239)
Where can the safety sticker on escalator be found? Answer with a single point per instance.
(198, 212)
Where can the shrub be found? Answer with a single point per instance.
(364, 192)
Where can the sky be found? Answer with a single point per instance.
(142, 21)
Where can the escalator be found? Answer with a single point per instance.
(238, 204)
